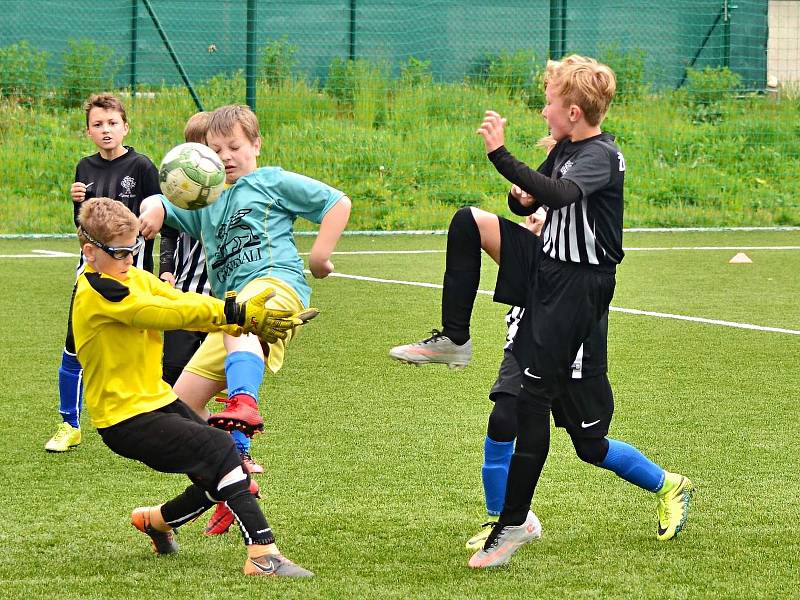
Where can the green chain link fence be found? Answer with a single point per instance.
(382, 98)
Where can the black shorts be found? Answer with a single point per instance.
(509, 377)
(565, 306)
(520, 254)
(174, 439)
(583, 407)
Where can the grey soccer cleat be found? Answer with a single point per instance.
(504, 541)
(274, 565)
(436, 349)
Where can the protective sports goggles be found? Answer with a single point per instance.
(117, 252)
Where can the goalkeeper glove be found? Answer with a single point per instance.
(268, 324)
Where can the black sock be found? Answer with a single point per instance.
(252, 522)
(461, 276)
(530, 454)
(185, 507)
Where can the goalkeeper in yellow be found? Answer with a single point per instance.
(118, 313)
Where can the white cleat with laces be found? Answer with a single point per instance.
(436, 349)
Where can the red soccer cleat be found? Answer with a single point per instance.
(240, 413)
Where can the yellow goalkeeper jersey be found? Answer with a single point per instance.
(117, 327)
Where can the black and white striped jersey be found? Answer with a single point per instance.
(129, 179)
(592, 356)
(190, 266)
(588, 231)
(581, 184)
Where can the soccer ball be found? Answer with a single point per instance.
(191, 176)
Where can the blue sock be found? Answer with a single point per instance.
(244, 372)
(241, 440)
(633, 466)
(70, 389)
(496, 460)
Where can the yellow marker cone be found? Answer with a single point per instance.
(740, 258)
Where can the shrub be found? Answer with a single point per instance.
(415, 73)
(711, 85)
(628, 66)
(516, 74)
(277, 62)
(87, 68)
(22, 72)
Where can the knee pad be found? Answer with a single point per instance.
(591, 450)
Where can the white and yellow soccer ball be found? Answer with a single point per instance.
(191, 176)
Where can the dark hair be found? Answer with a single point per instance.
(106, 101)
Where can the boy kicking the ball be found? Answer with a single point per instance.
(118, 314)
(249, 244)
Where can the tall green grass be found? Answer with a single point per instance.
(405, 150)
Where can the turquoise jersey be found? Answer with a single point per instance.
(249, 231)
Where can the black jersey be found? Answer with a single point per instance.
(129, 179)
(588, 231)
(581, 184)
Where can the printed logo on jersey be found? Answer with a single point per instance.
(128, 184)
(237, 247)
(566, 167)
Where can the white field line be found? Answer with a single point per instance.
(631, 311)
(55, 254)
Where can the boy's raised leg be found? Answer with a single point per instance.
(470, 231)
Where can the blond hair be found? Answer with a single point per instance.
(584, 82)
(106, 101)
(104, 219)
(224, 119)
(196, 127)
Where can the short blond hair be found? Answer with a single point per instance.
(196, 127)
(584, 82)
(104, 219)
(224, 119)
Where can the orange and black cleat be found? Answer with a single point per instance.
(163, 541)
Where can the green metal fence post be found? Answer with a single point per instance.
(172, 54)
(352, 43)
(250, 61)
(134, 42)
(726, 35)
(554, 35)
(558, 29)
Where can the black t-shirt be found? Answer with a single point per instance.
(588, 231)
(129, 179)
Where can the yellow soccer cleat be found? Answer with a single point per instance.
(673, 505)
(66, 437)
(477, 541)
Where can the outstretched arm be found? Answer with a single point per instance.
(151, 216)
(334, 222)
